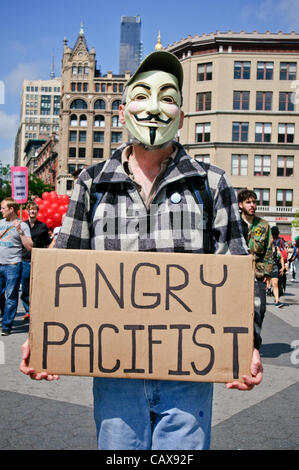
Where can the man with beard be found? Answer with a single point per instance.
(257, 232)
(152, 170)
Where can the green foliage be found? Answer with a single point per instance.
(295, 222)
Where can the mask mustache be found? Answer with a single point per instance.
(153, 116)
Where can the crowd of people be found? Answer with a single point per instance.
(17, 238)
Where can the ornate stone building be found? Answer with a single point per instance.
(242, 113)
(89, 123)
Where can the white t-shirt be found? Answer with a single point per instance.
(10, 243)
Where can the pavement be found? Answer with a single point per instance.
(39, 415)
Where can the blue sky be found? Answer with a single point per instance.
(31, 32)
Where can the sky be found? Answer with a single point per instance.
(32, 32)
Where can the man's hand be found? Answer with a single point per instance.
(24, 367)
(256, 369)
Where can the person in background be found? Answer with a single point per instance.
(14, 236)
(41, 239)
(277, 274)
(258, 235)
(292, 256)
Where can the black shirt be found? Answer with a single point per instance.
(40, 238)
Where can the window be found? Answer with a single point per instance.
(45, 105)
(287, 71)
(284, 197)
(79, 86)
(203, 101)
(262, 164)
(121, 87)
(97, 153)
(99, 121)
(82, 136)
(82, 152)
(71, 168)
(242, 70)
(204, 72)
(240, 132)
(85, 87)
(115, 121)
(73, 120)
(100, 104)
(114, 87)
(203, 132)
(286, 133)
(264, 100)
(115, 105)
(83, 121)
(203, 158)
(98, 136)
(73, 136)
(73, 86)
(286, 101)
(86, 70)
(241, 100)
(74, 70)
(263, 196)
(264, 71)
(72, 152)
(239, 165)
(69, 185)
(80, 69)
(285, 165)
(263, 132)
(116, 137)
(103, 87)
(78, 104)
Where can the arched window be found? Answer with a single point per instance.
(80, 69)
(115, 105)
(115, 121)
(99, 121)
(78, 104)
(100, 104)
(83, 120)
(74, 120)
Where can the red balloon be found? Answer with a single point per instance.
(49, 211)
(25, 214)
(49, 222)
(65, 199)
(45, 196)
(61, 209)
(41, 216)
(38, 200)
(55, 206)
(57, 218)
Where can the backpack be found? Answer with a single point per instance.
(278, 242)
(199, 186)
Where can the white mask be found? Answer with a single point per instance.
(152, 110)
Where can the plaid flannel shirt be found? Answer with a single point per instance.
(122, 222)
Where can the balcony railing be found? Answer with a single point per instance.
(278, 209)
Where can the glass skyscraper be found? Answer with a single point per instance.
(130, 44)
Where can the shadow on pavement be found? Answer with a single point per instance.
(275, 349)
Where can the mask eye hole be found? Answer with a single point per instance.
(168, 100)
(139, 97)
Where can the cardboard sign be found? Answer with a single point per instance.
(141, 315)
(19, 184)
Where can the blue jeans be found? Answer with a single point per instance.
(10, 275)
(136, 414)
(25, 280)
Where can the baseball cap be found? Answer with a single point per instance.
(161, 60)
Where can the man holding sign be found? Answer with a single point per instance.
(131, 203)
(14, 235)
